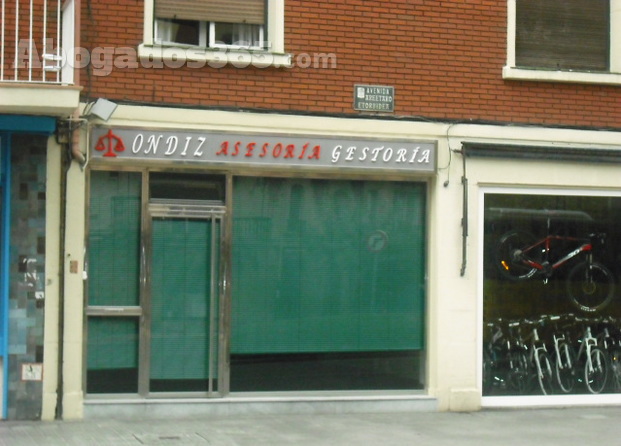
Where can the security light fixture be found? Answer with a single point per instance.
(101, 108)
(65, 130)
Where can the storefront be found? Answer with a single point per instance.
(552, 269)
(265, 259)
(550, 243)
(223, 263)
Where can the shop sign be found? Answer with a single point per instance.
(375, 98)
(262, 150)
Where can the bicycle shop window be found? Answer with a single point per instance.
(551, 295)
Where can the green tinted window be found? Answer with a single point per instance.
(114, 238)
(113, 265)
(112, 359)
(327, 266)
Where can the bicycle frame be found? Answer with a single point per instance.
(588, 342)
(587, 246)
(558, 340)
(564, 360)
(590, 284)
(536, 347)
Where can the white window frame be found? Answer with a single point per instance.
(202, 33)
(499, 401)
(273, 55)
(612, 77)
(214, 44)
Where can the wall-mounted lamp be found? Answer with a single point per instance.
(101, 108)
(65, 131)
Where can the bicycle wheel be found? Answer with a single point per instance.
(508, 255)
(517, 375)
(590, 287)
(596, 373)
(545, 376)
(564, 368)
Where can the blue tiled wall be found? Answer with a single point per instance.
(27, 272)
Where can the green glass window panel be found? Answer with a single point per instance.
(114, 238)
(112, 355)
(186, 186)
(327, 266)
(181, 300)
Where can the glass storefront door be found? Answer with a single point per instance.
(184, 302)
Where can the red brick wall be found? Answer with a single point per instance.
(444, 59)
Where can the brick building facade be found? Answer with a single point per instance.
(444, 60)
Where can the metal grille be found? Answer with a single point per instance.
(31, 37)
(186, 208)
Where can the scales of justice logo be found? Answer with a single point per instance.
(110, 144)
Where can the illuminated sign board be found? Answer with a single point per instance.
(262, 150)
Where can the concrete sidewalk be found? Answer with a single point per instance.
(566, 427)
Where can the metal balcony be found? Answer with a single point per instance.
(35, 36)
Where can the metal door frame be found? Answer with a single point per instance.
(191, 209)
(214, 211)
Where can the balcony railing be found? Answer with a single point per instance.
(33, 37)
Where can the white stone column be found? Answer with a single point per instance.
(615, 36)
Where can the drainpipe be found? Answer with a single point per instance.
(464, 217)
(61, 287)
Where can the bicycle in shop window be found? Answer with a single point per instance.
(515, 363)
(590, 365)
(590, 285)
(538, 362)
(552, 354)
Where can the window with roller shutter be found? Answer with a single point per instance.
(211, 23)
(563, 34)
(576, 41)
